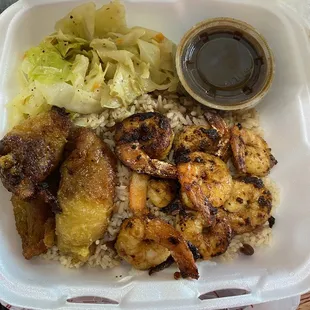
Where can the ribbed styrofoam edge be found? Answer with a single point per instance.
(283, 304)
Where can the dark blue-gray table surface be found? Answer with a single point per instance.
(5, 3)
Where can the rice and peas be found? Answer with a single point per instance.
(181, 111)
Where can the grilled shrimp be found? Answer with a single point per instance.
(162, 192)
(249, 205)
(205, 182)
(138, 193)
(146, 242)
(251, 152)
(209, 240)
(141, 254)
(213, 138)
(143, 140)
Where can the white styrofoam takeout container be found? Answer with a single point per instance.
(280, 271)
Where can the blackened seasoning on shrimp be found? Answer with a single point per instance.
(143, 141)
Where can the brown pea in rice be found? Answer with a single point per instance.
(181, 111)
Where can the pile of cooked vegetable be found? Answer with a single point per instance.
(93, 61)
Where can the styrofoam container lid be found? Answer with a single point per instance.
(279, 271)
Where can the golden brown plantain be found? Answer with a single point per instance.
(86, 195)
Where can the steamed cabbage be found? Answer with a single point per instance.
(29, 101)
(44, 63)
(79, 70)
(92, 62)
(149, 53)
(111, 17)
(80, 22)
(66, 96)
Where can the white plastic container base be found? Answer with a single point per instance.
(282, 270)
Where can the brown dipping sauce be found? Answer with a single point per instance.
(223, 64)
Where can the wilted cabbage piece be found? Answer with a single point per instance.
(111, 17)
(80, 22)
(45, 64)
(93, 61)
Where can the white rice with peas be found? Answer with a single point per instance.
(181, 111)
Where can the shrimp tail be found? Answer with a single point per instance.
(169, 261)
(219, 124)
(166, 235)
(166, 170)
(166, 264)
(201, 202)
(273, 161)
(238, 148)
(133, 156)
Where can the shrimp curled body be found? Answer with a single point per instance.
(146, 242)
(143, 140)
(251, 152)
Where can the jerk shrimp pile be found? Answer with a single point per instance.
(210, 204)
